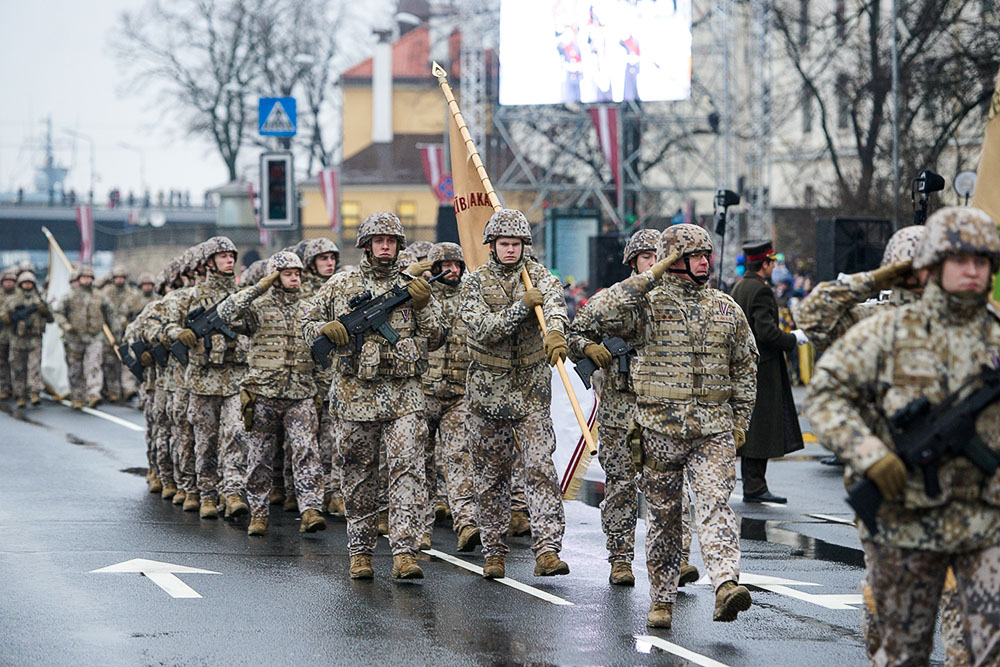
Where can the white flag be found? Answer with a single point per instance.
(54, 370)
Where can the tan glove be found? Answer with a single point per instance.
(555, 346)
(886, 277)
(43, 309)
(532, 298)
(417, 268)
(336, 332)
(146, 359)
(265, 283)
(187, 337)
(5, 318)
(740, 437)
(420, 291)
(661, 267)
(598, 354)
(889, 475)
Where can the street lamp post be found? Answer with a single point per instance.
(90, 144)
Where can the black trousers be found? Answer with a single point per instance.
(752, 471)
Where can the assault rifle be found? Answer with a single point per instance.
(618, 348)
(203, 323)
(21, 313)
(129, 361)
(160, 352)
(925, 437)
(366, 314)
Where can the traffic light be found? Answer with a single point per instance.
(277, 190)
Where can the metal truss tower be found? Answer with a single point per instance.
(759, 156)
(472, 60)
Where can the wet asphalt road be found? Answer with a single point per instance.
(73, 500)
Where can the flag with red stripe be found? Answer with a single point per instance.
(329, 185)
(606, 122)
(432, 159)
(85, 222)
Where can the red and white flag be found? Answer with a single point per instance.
(432, 159)
(606, 122)
(85, 221)
(330, 187)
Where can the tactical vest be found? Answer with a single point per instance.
(679, 363)
(223, 350)
(83, 311)
(450, 362)
(276, 345)
(378, 357)
(524, 346)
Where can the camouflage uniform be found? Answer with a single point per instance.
(8, 278)
(377, 398)
(131, 335)
(444, 389)
(279, 386)
(82, 315)
(26, 336)
(695, 383)
(928, 349)
(509, 390)
(173, 383)
(157, 395)
(112, 369)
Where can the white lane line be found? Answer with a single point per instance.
(832, 519)
(109, 417)
(833, 601)
(506, 581)
(643, 644)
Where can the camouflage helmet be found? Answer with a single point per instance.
(507, 222)
(26, 265)
(445, 252)
(300, 249)
(280, 261)
(10, 273)
(381, 223)
(119, 271)
(421, 249)
(85, 270)
(317, 247)
(217, 244)
(145, 277)
(684, 237)
(253, 273)
(189, 259)
(26, 275)
(641, 241)
(903, 244)
(955, 229)
(406, 257)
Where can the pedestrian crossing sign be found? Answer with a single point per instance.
(276, 117)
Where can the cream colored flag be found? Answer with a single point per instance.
(987, 193)
(472, 204)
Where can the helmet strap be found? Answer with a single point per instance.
(699, 280)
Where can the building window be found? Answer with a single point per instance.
(406, 211)
(843, 102)
(807, 110)
(350, 214)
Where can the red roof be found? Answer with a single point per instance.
(411, 57)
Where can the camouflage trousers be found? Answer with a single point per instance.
(710, 465)
(158, 423)
(327, 439)
(112, 370)
(83, 361)
(182, 442)
(447, 437)
(406, 488)
(5, 382)
(296, 419)
(907, 586)
(220, 451)
(620, 507)
(493, 448)
(518, 495)
(24, 364)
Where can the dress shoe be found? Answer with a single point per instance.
(766, 497)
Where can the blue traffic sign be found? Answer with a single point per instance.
(276, 117)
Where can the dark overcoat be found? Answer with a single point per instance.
(774, 426)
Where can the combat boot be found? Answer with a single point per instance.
(168, 491)
(621, 573)
(660, 615)
(689, 574)
(93, 403)
(383, 522)
(235, 506)
(21, 402)
(192, 502)
(179, 497)
(441, 511)
(34, 398)
(404, 566)
(76, 405)
(519, 523)
(730, 600)
(327, 497)
(208, 509)
(276, 497)
(494, 568)
(336, 507)
(312, 521)
(258, 526)
(4, 395)
(468, 538)
(361, 567)
(155, 485)
(291, 503)
(425, 541)
(114, 398)
(549, 564)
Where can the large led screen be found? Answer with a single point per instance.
(592, 51)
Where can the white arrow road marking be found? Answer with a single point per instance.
(832, 519)
(161, 574)
(643, 644)
(781, 586)
(111, 418)
(506, 581)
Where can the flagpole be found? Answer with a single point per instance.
(470, 146)
(69, 267)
